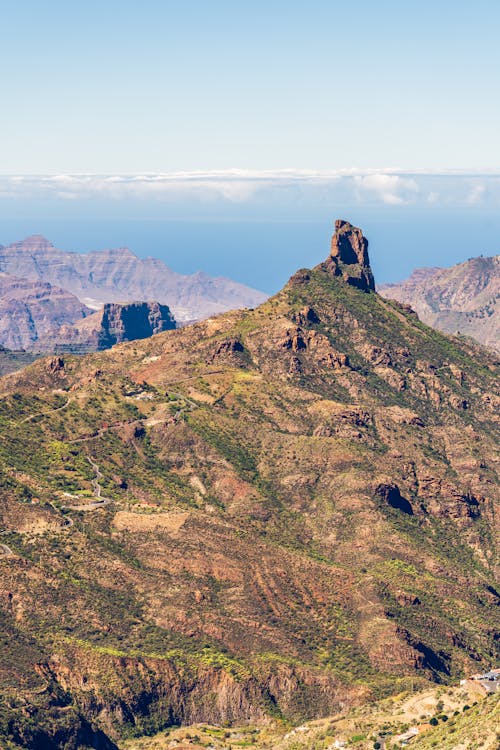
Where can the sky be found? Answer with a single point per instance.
(228, 136)
(167, 85)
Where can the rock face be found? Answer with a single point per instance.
(36, 316)
(34, 310)
(120, 276)
(112, 325)
(461, 299)
(349, 256)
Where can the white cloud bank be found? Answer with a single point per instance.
(357, 186)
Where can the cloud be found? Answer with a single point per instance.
(476, 195)
(390, 188)
(387, 186)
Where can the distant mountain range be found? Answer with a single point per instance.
(48, 296)
(120, 276)
(461, 299)
(34, 310)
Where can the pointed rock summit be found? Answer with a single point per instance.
(349, 256)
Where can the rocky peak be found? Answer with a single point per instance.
(35, 243)
(349, 256)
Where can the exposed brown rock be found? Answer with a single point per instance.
(349, 256)
(55, 366)
(227, 349)
(406, 599)
(276, 517)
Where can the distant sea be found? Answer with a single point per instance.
(263, 254)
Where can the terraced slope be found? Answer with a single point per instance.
(302, 516)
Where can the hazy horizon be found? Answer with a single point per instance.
(263, 254)
(259, 227)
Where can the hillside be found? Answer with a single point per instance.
(456, 718)
(120, 276)
(274, 514)
(462, 299)
(10, 361)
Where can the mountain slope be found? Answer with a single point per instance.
(31, 310)
(462, 299)
(119, 276)
(271, 513)
(10, 361)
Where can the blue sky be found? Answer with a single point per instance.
(129, 87)
(228, 136)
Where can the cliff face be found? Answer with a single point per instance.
(120, 276)
(461, 299)
(37, 316)
(349, 256)
(274, 513)
(34, 310)
(114, 324)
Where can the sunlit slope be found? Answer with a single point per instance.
(273, 513)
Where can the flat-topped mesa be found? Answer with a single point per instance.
(349, 256)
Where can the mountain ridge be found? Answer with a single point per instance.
(269, 514)
(460, 299)
(117, 275)
(31, 310)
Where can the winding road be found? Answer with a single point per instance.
(44, 413)
(100, 501)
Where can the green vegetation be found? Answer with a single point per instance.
(202, 530)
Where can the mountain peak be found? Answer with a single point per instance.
(35, 242)
(349, 256)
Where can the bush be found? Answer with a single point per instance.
(433, 722)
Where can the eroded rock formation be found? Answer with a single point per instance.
(349, 256)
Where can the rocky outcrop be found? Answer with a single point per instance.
(120, 276)
(461, 299)
(34, 310)
(349, 256)
(115, 324)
